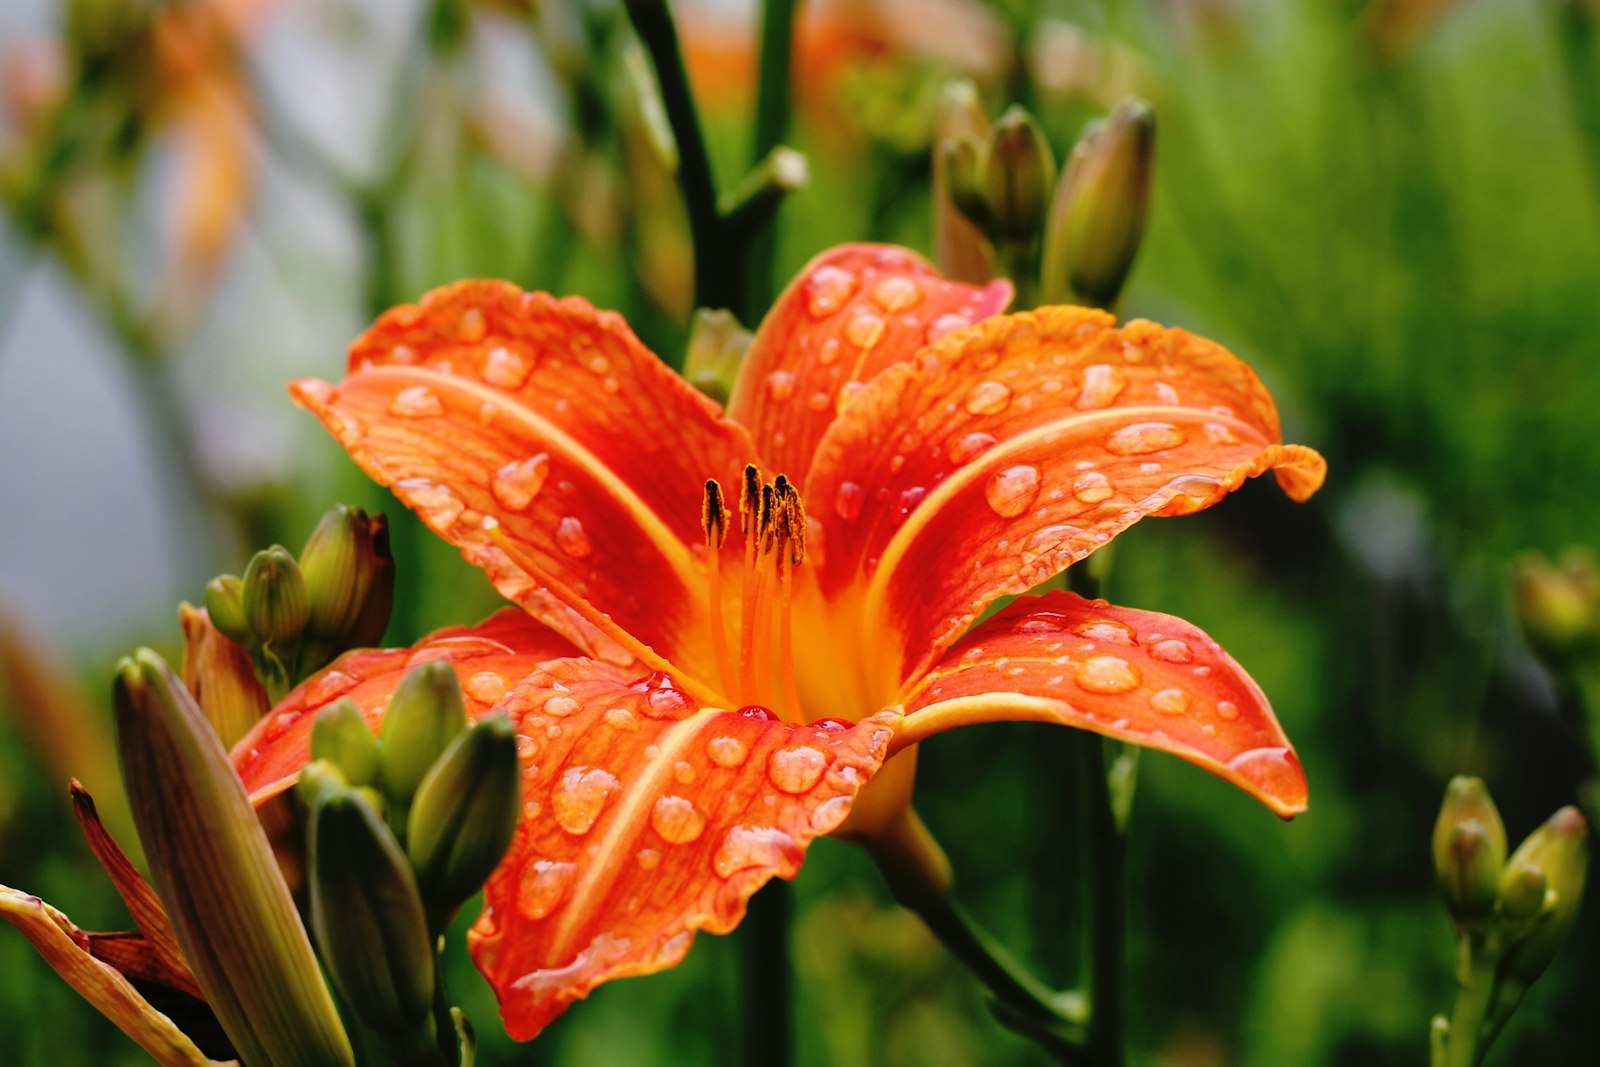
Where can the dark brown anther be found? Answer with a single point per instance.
(765, 531)
(714, 515)
(750, 500)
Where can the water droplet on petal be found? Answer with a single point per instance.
(797, 769)
(677, 820)
(1189, 493)
(848, 501)
(1170, 701)
(518, 482)
(1218, 434)
(1172, 650)
(648, 858)
(819, 401)
(544, 885)
(560, 706)
(1102, 384)
(864, 330)
(572, 538)
(1092, 487)
(620, 718)
(829, 814)
(486, 686)
(663, 699)
(758, 712)
(1142, 437)
(472, 327)
(828, 354)
(438, 506)
(415, 401)
(1227, 709)
(581, 796)
(946, 324)
(828, 289)
(780, 385)
(1012, 491)
(505, 368)
(1107, 674)
(896, 293)
(1106, 631)
(969, 446)
(989, 398)
(747, 847)
(726, 751)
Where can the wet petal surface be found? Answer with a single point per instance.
(647, 817)
(1138, 676)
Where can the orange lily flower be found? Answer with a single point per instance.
(697, 734)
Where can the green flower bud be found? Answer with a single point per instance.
(369, 923)
(276, 602)
(424, 716)
(1559, 852)
(1098, 215)
(1522, 895)
(341, 736)
(962, 160)
(316, 778)
(225, 605)
(334, 563)
(1018, 175)
(1558, 607)
(213, 868)
(959, 245)
(463, 816)
(717, 344)
(1469, 848)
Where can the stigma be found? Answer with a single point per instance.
(772, 522)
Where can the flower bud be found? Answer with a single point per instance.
(225, 606)
(214, 870)
(220, 676)
(962, 161)
(717, 345)
(1469, 848)
(316, 778)
(1522, 894)
(958, 242)
(1558, 607)
(276, 603)
(1098, 216)
(341, 736)
(463, 816)
(379, 564)
(1019, 174)
(369, 923)
(1558, 852)
(333, 563)
(423, 717)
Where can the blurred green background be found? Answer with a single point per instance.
(1390, 208)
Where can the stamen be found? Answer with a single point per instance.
(714, 519)
(791, 550)
(750, 522)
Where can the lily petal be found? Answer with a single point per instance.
(65, 948)
(488, 659)
(159, 939)
(1150, 679)
(1008, 451)
(648, 817)
(551, 419)
(851, 312)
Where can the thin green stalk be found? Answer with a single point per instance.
(768, 1036)
(771, 128)
(1577, 41)
(1462, 1047)
(1104, 932)
(718, 279)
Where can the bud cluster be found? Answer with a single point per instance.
(295, 616)
(404, 828)
(1512, 914)
(1079, 234)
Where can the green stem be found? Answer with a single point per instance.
(1462, 1047)
(768, 1026)
(772, 127)
(1580, 77)
(718, 279)
(1107, 907)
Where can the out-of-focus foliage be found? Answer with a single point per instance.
(1389, 207)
